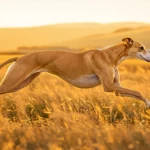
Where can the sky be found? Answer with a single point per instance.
(24, 13)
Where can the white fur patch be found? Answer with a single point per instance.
(86, 81)
(100, 49)
(120, 60)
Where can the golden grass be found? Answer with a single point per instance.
(51, 114)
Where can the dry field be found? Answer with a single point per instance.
(51, 114)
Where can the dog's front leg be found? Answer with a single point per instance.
(107, 79)
(117, 77)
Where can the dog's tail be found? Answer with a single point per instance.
(8, 61)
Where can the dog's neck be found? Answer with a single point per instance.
(117, 53)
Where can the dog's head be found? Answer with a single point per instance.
(136, 49)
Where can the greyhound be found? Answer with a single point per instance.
(84, 70)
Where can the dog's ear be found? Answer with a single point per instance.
(128, 41)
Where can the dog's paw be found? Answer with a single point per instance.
(147, 103)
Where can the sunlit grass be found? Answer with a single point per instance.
(52, 114)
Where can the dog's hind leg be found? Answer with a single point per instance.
(17, 74)
(25, 82)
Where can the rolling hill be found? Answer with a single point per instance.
(12, 38)
(100, 41)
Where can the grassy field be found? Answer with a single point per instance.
(52, 114)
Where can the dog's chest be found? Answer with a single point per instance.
(86, 81)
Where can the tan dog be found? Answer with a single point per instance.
(85, 70)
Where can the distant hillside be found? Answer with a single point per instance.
(139, 34)
(123, 30)
(12, 38)
(46, 48)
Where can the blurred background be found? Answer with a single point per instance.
(37, 25)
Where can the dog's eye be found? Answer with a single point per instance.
(141, 48)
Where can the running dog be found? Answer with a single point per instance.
(84, 70)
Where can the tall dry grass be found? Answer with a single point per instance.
(51, 114)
